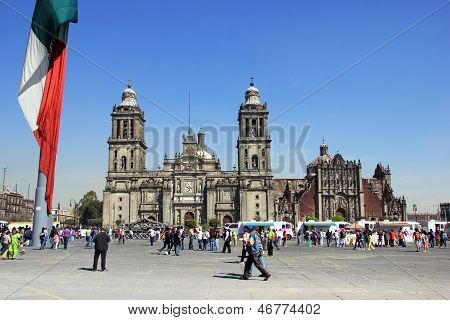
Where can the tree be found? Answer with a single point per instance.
(190, 224)
(89, 208)
(309, 217)
(214, 223)
(337, 218)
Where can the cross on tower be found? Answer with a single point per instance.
(323, 141)
(129, 84)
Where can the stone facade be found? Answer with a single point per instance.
(191, 185)
(14, 207)
(334, 186)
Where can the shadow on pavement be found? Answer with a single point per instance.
(85, 269)
(234, 276)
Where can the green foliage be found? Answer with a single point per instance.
(337, 218)
(190, 224)
(309, 217)
(205, 226)
(89, 208)
(214, 223)
(95, 222)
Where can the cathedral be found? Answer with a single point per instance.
(191, 185)
(334, 186)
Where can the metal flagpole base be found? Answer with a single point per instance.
(40, 210)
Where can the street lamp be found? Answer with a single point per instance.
(415, 210)
(3, 189)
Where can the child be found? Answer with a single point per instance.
(56, 241)
(426, 242)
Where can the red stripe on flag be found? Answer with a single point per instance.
(49, 117)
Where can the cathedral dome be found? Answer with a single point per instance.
(252, 95)
(129, 97)
(201, 153)
(323, 158)
(320, 159)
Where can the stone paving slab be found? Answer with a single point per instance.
(136, 271)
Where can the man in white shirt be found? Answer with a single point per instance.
(245, 239)
(200, 239)
(152, 235)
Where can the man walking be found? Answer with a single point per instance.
(191, 239)
(299, 236)
(166, 243)
(227, 240)
(182, 235)
(328, 236)
(101, 241)
(253, 247)
(152, 234)
(177, 241)
(66, 236)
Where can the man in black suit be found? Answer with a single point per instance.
(101, 241)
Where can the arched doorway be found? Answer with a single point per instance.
(341, 212)
(188, 216)
(227, 219)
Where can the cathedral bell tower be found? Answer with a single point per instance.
(127, 148)
(254, 140)
(254, 167)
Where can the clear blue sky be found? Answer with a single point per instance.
(394, 107)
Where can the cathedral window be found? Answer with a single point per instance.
(132, 128)
(255, 162)
(125, 129)
(115, 166)
(246, 164)
(263, 164)
(246, 153)
(253, 132)
(115, 154)
(132, 153)
(124, 163)
(131, 165)
(247, 125)
(263, 152)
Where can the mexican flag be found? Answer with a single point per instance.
(42, 83)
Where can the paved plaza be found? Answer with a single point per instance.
(136, 271)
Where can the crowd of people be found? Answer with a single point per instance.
(255, 241)
(15, 240)
(368, 239)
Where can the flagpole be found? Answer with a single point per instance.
(40, 210)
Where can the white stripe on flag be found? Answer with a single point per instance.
(33, 79)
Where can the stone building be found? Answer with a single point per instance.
(191, 185)
(14, 207)
(444, 209)
(334, 186)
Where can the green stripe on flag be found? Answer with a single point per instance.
(49, 15)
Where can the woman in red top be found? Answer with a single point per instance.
(392, 238)
(284, 238)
